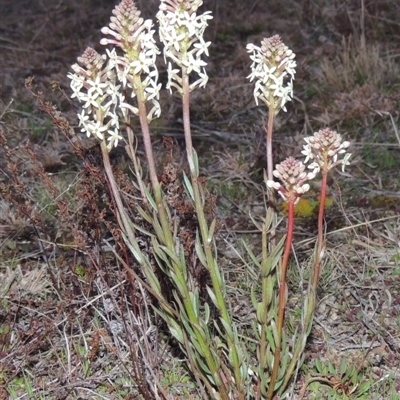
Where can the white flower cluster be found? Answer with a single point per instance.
(323, 148)
(181, 32)
(136, 70)
(96, 88)
(111, 91)
(273, 68)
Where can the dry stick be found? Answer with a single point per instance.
(212, 267)
(282, 298)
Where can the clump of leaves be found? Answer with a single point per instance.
(338, 383)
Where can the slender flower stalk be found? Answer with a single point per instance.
(323, 148)
(293, 176)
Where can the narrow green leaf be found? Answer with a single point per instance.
(188, 186)
(134, 249)
(152, 279)
(206, 313)
(150, 199)
(253, 298)
(200, 252)
(212, 296)
(196, 163)
(211, 231)
(227, 327)
(268, 290)
(144, 214)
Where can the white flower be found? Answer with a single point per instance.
(193, 64)
(202, 82)
(96, 87)
(76, 82)
(89, 100)
(113, 138)
(307, 151)
(274, 185)
(113, 91)
(155, 112)
(132, 109)
(83, 118)
(202, 47)
(152, 91)
(173, 39)
(141, 64)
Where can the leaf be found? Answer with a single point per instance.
(318, 366)
(196, 163)
(268, 290)
(227, 327)
(144, 214)
(188, 186)
(211, 230)
(134, 249)
(200, 252)
(150, 199)
(253, 298)
(206, 313)
(212, 296)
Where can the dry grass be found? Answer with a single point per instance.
(74, 324)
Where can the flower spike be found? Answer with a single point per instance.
(291, 173)
(324, 148)
(181, 32)
(273, 70)
(136, 68)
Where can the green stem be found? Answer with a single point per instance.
(282, 299)
(216, 278)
